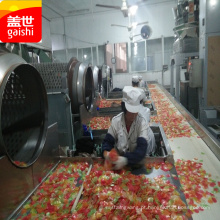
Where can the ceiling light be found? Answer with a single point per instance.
(213, 2)
(133, 9)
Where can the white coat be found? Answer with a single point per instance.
(145, 112)
(142, 83)
(124, 141)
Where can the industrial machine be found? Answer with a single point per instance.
(189, 96)
(27, 149)
(210, 118)
(97, 78)
(186, 16)
(24, 110)
(59, 105)
(71, 89)
(186, 45)
(196, 50)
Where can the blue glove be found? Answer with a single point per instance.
(120, 163)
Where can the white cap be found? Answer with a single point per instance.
(135, 79)
(140, 77)
(132, 97)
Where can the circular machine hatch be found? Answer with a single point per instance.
(95, 71)
(24, 111)
(100, 80)
(80, 84)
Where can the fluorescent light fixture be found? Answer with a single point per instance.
(133, 9)
(213, 2)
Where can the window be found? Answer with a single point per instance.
(80, 54)
(154, 54)
(138, 61)
(85, 55)
(168, 49)
(109, 55)
(94, 56)
(59, 56)
(121, 57)
(72, 53)
(146, 55)
(101, 52)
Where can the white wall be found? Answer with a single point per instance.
(46, 42)
(124, 79)
(95, 29)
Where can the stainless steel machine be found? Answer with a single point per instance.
(27, 151)
(59, 105)
(186, 45)
(70, 90)
(24, 110)
(97, 78)
(196, 49)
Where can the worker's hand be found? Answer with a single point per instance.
(106, 155)
(120, 163)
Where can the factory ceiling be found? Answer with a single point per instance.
(56, 8)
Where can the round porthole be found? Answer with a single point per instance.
(24, 110)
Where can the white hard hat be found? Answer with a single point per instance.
(135, 79)
(140, 77)
(132, 97)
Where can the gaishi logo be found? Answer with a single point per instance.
(20, 21)
(14, 22)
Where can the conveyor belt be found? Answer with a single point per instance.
(193, 150)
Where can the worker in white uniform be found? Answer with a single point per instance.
(128, 133)
(135, 81)
(141, 81)
(145, 112)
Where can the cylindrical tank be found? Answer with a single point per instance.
(80, 85)
(23, 112)
(100, 81)
(95, 71)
